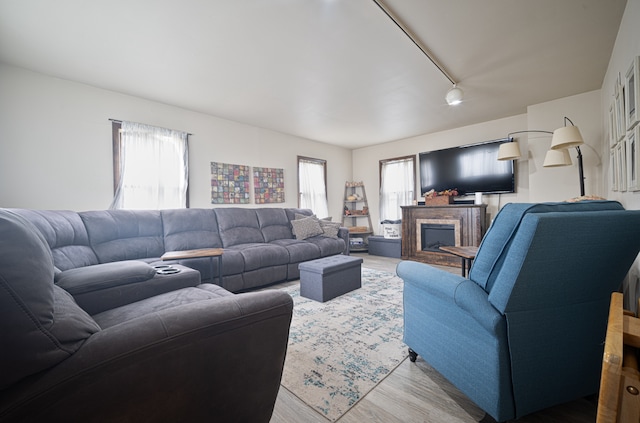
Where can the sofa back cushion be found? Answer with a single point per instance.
(117, 235)
(495, 245)
(41, 324)
(66, 236)
(238, 226)
(274, 224)
(190, 229)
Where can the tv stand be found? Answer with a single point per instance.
(467, 221)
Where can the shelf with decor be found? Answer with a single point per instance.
(356, 209)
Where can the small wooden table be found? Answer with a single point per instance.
(199, 253)
(466, 253)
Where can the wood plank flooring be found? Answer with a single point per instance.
(415, 392)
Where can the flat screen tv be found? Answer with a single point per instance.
(468, 168)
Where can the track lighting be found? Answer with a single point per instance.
(454, 96)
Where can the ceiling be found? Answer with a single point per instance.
(335, 71)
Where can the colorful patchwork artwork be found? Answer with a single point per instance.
(268, 185)
(230, 183)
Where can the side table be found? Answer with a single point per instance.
(466, 253)
(199, 253)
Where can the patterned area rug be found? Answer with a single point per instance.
(341, 349)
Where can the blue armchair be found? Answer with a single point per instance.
(526, 330)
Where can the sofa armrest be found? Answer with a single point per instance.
(86, 279)
(463, 293)
(106, 286)
(186, 363)
(344, 234)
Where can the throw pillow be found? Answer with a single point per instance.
(307, 227)
(330, 229)
(298, 216)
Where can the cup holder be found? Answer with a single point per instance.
(165, 269)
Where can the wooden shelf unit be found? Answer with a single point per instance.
(351, 220)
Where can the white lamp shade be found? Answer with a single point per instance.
(509, 151)
(555, 158)
(454, 96)
(566, 137)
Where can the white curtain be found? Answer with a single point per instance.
(153, 168)
(313, 191)
(396, 188)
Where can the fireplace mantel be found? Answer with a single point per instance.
(468, 219)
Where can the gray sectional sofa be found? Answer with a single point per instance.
(102, 344)
(93, 332)
(99, 254)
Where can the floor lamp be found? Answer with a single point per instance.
(558, 154)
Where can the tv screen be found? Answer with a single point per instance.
(469, 169)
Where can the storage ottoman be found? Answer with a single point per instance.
(387, 247)
(329, 277)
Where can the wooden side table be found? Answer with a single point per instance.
(199, 253)
(466, 253)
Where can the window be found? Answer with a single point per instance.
(312, 185)
(150, 167)
(397, 186)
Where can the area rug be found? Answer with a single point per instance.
(341, 349)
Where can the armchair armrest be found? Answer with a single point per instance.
(463, 293)
(192, 362)
(432, 280)
(471, 298)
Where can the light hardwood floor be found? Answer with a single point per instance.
(415, 392)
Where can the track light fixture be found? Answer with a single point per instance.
(454, 95)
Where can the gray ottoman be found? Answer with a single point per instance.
(329, 277)
(387, 247)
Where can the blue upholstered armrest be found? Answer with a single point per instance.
(452, 288)
(474, 300)
(434, 281)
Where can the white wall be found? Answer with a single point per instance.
(57, 154)
(627, 46)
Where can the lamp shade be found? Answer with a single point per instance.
(454, 96)
(565, 137)
(509, 151)
(556, 158)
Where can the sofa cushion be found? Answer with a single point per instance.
(259, 255)
(328, 246)
(292, 212)
(65, 234)
(40, 324)
(190, 229)
(117, 235)
(103, 276)
(160, 302)
(238, 226)
(299, 250)
(274, 224)
(306, 228)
